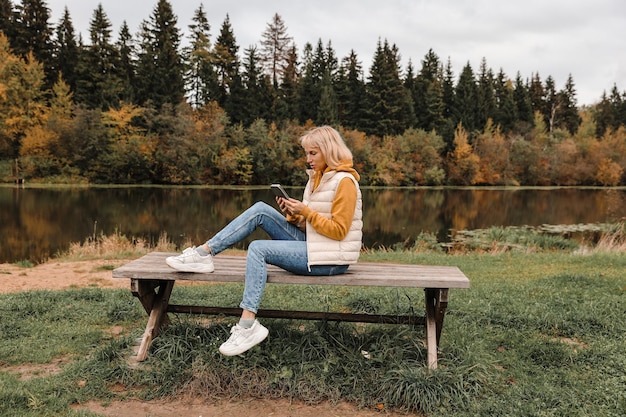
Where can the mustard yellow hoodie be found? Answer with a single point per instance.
(342, 210)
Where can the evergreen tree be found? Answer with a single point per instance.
(67, 51)
(201, 79)
(309, 91)
(351, 93)
(604, 115)
(551, 103)
(7, 20)
(275, 48)
(33, 34)
(486, 98)
(505, 114)
(287, 94)
(127, 70)
(327, 109)
(160, 66)
(523, 105)
(465, 100)
(536, 94)
(448, 90)
(568, 116)
(253, 103)
(389, 103)
(99, 84)
(226, 61)
(427, 93)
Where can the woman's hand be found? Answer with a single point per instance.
(290, 206)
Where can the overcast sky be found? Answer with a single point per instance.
(584, 38)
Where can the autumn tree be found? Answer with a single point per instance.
(275, 48)
(463, 165)
(492, 151)
(22, 97)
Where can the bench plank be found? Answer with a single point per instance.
(233, 268)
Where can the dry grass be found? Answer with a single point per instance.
(613, 241)
(117, 244)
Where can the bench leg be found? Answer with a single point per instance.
(158, 315)
(436, 304)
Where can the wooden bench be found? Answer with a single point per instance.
(152, 281)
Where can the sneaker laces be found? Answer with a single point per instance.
(236, 332)
(187, 252)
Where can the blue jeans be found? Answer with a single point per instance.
(287, 250)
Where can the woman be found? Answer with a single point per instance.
(320, 235)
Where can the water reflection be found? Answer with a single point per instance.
(36, 223)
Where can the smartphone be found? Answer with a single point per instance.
(279, 191)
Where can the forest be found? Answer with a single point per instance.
(161, 107)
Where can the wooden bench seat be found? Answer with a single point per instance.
(152, 281)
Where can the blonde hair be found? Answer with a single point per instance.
(330, 144)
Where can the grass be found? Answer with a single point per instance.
(539, 333)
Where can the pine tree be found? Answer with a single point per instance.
(287, 94)
(275, 47)
(536, 94)
(127, 65)
(67, 51)
(226, 61)
(160, 67)
(486, 97)
(505, 115)
(252, 104)
(327, 109)
(351, 93)
(568, 116)
(33, 34)
(465, 100)
(308, 88)
(523, 105)
(551, 103)
(427, 94)
(201, 79)
(7, 19)
(99, 84)
(389, 103)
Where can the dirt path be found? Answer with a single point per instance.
(58, 275)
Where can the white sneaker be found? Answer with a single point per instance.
(191, 261)
(241, 339)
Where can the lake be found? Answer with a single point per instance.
(38, 222)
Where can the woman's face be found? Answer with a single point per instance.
(314, 158)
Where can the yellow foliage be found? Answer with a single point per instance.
(463, 163)
(38, 141)
(609, 172)
(120, 120)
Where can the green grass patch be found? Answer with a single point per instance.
(539, 334)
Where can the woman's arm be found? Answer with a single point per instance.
(342, 212)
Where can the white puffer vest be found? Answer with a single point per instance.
(321, 249)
